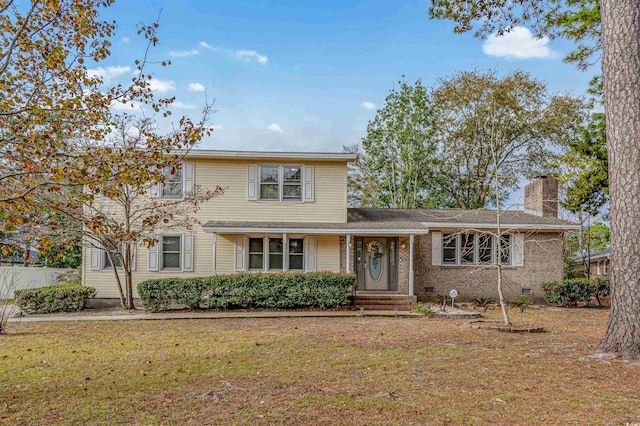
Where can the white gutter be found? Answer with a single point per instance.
(266, 155)
(531, 227)
(314, 231)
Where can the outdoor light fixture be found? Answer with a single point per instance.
(403, 245)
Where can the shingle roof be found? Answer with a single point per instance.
(405, 221)
(455, 217)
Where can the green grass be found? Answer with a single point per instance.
(314, 371)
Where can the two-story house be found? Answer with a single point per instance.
(287, 211)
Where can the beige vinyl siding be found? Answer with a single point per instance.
(330, 192)
(329, 205)
(328, 259)
(226, 253)
(328, 256)
(104, 281)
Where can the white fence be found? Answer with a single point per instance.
(26, 277)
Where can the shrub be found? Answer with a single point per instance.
(249, 290)
(483, 302)
(55, 298)
(574, 291)
(521, 303)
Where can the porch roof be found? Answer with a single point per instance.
(356, 228)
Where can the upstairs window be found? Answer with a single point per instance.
(172, 187)
(281, 183)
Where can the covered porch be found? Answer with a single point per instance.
(381, 255)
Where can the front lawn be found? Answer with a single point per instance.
(314, 371)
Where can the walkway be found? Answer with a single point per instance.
(139, 315)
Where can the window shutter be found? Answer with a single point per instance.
(187, 252)
(154, 190)
(310, 248)
(188, 170)
(252, 182)
(436, 248)
(309, 183)
(154, 264)
(517, 250)
(96, 258)
(240, 249)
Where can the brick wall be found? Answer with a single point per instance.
(543, 261)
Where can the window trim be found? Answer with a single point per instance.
(457, 238)
(280, 183)
(161, 267)
(161, 185)
(265, 253)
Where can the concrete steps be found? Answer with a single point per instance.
(384, 302)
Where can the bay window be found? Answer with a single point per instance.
(475, 248)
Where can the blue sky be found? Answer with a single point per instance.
(307, 75)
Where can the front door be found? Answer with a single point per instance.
(376, 263)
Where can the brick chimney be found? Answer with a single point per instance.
(541, 197)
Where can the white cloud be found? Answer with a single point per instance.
(196, 87)
(128, 107)
(368, 105)
(207, 45)
(161, 86)
(251, 55)
(182, 105)
(184, 53)
(519, 43)
(274, 127)
(126, 40)
(109, 73)
(217, 127)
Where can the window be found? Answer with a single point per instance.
(268, 254)
(605, 267)
(475, 248)
(171, 253)
(485, 248)
(115, 247)
(292, 183)
(172, 186)
(296, 254)
(449, 248)
(106, 262)
(269, 178)
(505, 249)
(276, 253)
(256, 254)
(281, 183)
(467, 254)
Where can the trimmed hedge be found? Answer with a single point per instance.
(249, 290)
(54, 298)
(574, 291)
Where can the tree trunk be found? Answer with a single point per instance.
(621, 73)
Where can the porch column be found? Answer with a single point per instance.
(411, 244)
(215, 252)
(348, 248)
(285, 252)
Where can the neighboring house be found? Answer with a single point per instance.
(288, 211)
(599, 264)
